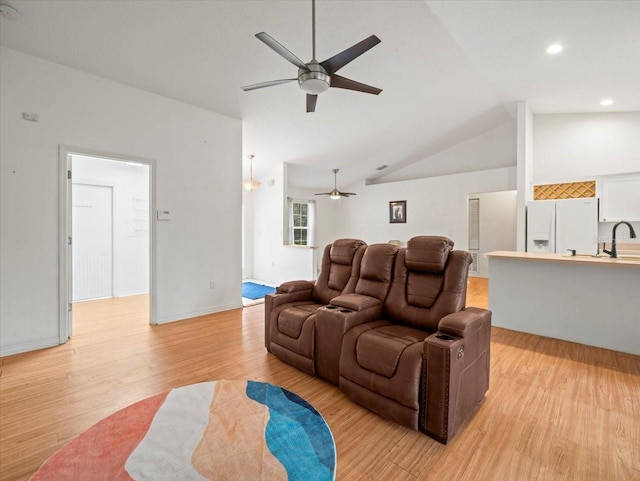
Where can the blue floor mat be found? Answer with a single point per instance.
(251, 290)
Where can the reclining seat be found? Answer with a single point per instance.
(425, 363)
(351, 308)
(290, 313)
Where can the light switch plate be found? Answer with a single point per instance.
(164, 214)
(31, 117)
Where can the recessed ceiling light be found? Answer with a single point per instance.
(554, 49)
(606, 102)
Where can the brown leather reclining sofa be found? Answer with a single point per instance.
(390, 327)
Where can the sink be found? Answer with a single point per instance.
(626, 257)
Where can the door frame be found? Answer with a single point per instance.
(65, 267)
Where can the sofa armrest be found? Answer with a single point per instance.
(455, 372)
(355, 302)
(294, 286)
(465, 323)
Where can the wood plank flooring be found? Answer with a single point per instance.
(555, 410)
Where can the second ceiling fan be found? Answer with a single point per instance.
(335, 193)
(315, 77)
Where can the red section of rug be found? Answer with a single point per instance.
(99, 454)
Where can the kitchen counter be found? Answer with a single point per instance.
(584, 299)
(622, 260)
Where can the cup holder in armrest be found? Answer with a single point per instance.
(444, 337)
(330, 307)
(346, 311)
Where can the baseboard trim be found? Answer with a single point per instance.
(12, 349)
(198, 313)
(132, 293)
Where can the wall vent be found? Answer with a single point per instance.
(474, 263)
(474, 224)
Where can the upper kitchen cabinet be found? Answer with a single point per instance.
(619, 198)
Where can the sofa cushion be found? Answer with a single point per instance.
(291, 319)
(379, 350)
(376, 270)
(428, 253)
(338, 276)
(343, 250)
(339, 270)
(423, 289)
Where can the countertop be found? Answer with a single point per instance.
(622, 261)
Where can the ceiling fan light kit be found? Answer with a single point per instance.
(315, 80)
(316, 77)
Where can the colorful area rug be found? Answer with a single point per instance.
(251, 290)
(221, 430)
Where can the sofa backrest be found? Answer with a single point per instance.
(340, 269)
(376, 271)
(429, 282)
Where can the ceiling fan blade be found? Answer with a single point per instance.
(280, 49)
(270, 83)
(311, 102)
(324, 193)
(335, 63)
(347, 194)
(344, 83)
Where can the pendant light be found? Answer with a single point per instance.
(251, 184)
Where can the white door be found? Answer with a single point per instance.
(92, 233)
(577, 226)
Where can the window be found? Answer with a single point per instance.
(301, 222)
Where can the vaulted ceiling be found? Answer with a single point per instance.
(449, 70)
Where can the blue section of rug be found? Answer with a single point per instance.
(251, 290)
(296, 434)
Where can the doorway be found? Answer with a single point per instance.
(107, 258)
(492, 227)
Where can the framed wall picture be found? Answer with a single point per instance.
(398, 212)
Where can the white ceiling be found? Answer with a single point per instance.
(449, 70)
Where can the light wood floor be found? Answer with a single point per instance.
(555, 410)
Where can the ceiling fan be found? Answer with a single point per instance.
(335, 193)
(315, 77)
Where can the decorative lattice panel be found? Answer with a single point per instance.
(571, 190)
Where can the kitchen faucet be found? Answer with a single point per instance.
(613, 253)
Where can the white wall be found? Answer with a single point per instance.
(198, 173)
(572, 147)
(492, 149)
(247, 231)
(326, 209)
(273, 261)
(435, 206)
(525, 161)
(130, 218)
(497, 226)
(325, 221)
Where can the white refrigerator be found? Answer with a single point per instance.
(558, 226)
